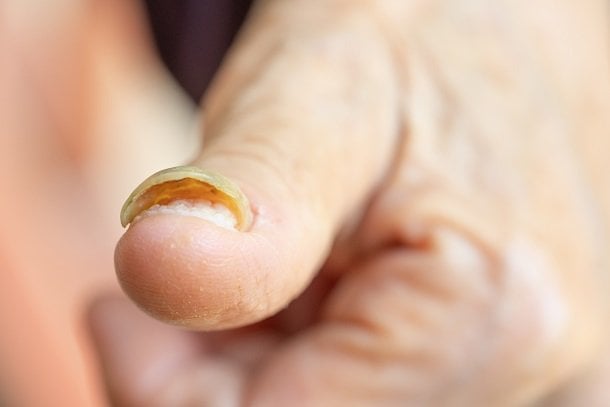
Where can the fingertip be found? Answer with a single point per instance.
(189, 272)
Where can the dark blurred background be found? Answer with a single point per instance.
(192, 36)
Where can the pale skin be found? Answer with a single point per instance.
(431, 216)
(455, 154)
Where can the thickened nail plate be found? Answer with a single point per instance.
(191, 191)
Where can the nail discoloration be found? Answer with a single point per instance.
(187, 183)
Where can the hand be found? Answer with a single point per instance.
(428, 189)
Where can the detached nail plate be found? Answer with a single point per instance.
(189, 190)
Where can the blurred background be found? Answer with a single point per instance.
(94, 96)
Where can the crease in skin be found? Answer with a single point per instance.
(522, 271)
(411, 351)
(522, 265)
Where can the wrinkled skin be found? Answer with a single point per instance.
(456, 150)
(429, 182)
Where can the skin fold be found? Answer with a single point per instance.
(431, 212)
(472, 250)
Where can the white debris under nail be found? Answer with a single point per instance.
(216, 213)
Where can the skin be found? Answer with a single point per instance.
(431, 215)
(77, 104)
(432, 167)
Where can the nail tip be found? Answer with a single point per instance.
(184, 183)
